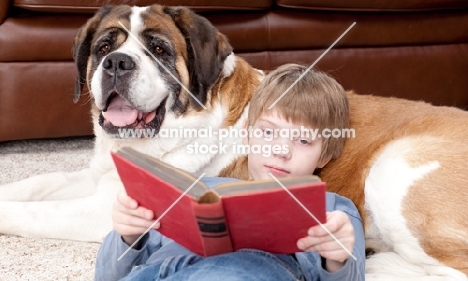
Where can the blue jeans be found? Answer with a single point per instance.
(242, 265)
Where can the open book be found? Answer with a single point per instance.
(231, 216)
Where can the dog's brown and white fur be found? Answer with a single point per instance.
(405, 170)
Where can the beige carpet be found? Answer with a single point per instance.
(44, 259)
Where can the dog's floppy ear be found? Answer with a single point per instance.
(206, 47)
(82, 48)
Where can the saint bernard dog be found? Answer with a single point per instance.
(156, 68)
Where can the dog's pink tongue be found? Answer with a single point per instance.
(120, 112)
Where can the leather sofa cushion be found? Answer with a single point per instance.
(317, 30)
(374, 5)
(39, 38)
(435, 74)
(38, 101)
(90, 6)
(4, 6)
(50, 37)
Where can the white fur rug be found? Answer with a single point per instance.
(44, 259)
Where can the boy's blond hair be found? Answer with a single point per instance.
(316, 101)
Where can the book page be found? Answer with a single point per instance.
(253, 186)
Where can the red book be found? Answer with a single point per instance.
(231, 216)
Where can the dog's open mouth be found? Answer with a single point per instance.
(120, 114)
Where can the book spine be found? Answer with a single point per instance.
(213, 228)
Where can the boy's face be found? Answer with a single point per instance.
(292, 151)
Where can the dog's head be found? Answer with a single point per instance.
(140, 62)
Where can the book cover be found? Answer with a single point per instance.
(231, 216)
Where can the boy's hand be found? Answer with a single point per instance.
(130, 220)
(318, 240)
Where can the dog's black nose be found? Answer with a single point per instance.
(118, 64)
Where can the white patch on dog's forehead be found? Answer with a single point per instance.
(132, 46)
(136, 19)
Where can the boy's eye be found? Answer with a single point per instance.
(268, 132)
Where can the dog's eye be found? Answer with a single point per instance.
(159, 50)
(104, 48)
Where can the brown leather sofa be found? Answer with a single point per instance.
(414, 49)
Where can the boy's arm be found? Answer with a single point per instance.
(108, 267)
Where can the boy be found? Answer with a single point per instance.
(316, 101)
